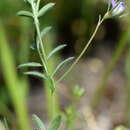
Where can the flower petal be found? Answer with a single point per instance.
(119, 9)
(113, 2)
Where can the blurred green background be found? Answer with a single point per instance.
(73, 22)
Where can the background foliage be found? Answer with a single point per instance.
(73, 23)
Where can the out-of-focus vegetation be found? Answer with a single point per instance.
(73, 22)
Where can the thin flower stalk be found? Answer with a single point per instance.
(118, 9)
(85, 48)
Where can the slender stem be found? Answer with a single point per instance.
(109, 5)
(36, 22)
(84, 50)
(38, 4)
(42, 54)
(50, 94)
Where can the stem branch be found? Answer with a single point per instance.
(84, 50)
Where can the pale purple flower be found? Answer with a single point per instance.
(118, 7)
(113, 2)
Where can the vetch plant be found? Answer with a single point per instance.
(117, 9)
(114, 9)
(35, 15)
(47, 73)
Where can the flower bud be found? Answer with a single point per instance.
(118, 9)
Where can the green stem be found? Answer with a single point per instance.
(42, 54)
(84, 50)
(50, 94)
(52, 102)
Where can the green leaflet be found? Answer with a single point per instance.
(39, 124)
(45, 31)
(6, 124)
(62, 64)
(37, 74)
(44, 9)
(25, 13)
(55, 123)
(56, 50)
(30, 64)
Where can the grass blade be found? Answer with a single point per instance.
(12, 81)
